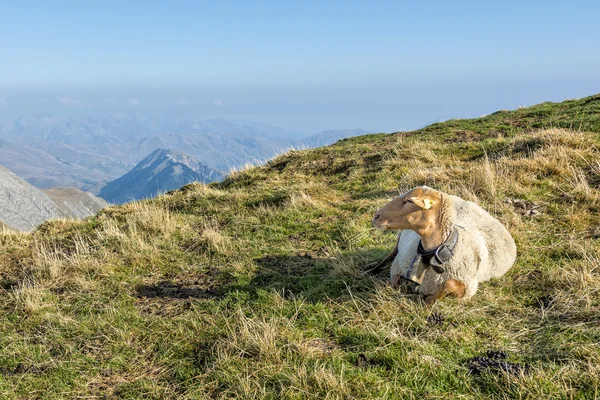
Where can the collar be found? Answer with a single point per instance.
(437, 257)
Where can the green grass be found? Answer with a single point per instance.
(250, 288)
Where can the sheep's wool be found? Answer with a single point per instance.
(484, 250)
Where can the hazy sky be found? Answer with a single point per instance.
(303, 65)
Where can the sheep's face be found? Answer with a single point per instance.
(415, 210)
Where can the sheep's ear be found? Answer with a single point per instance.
(424, 202)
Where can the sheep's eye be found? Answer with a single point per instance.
(408, 201)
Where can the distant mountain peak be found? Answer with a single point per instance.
(163, 158)
(161, 171)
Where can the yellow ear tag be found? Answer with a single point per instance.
(428, 203)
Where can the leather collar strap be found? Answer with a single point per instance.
(437, 257)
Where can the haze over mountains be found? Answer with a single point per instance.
(87, 152)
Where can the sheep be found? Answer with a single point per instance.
(472, 245)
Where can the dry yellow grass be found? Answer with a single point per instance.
(250, 288)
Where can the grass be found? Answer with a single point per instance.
(250, 289)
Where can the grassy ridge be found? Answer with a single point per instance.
(249, 288)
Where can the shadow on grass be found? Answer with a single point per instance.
(315, 278)
(174, 291)
(308, 275)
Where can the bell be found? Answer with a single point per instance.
(416, 272)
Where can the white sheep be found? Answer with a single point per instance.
(472, 246)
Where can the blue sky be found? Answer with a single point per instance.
(305, 65)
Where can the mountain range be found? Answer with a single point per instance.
(23, 207)
(87, 152)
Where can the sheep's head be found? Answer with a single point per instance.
(415, 210)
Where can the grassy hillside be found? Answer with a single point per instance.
(250, 288)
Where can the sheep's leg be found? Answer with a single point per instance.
(395, 281)
(451, 286)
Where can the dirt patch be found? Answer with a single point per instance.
(526, 207)
(21, 369)
(163, 307)
(174, 291)
(495, 362)
(168, 298)
(317, 347)
(528, 276)
(300, 264)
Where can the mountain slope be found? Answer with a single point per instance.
(74, 203)
(45, 170)
(22, 206)
(163, 170)
(250, 288)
